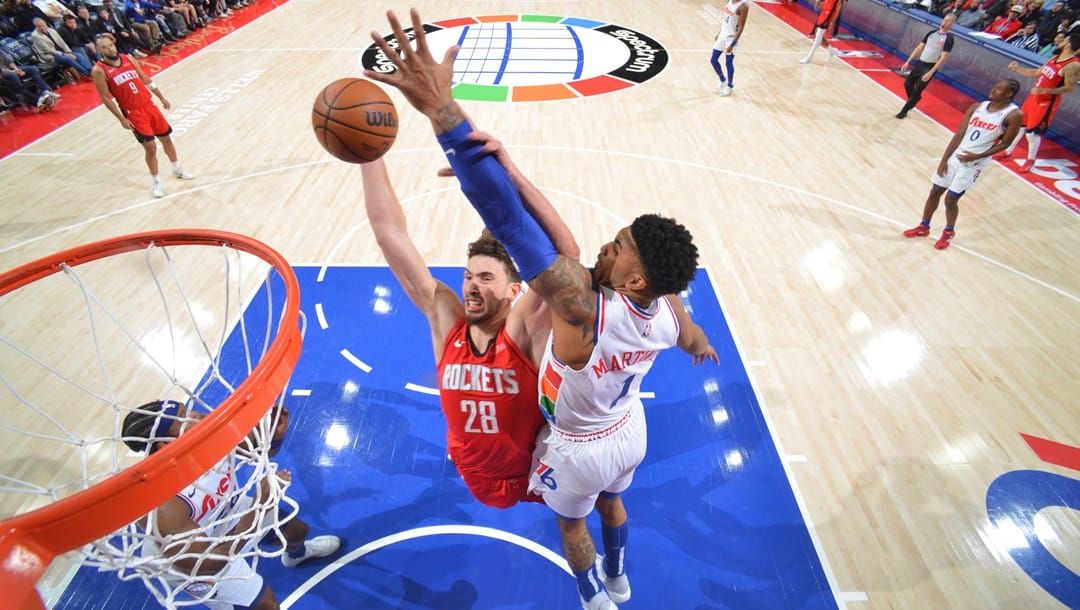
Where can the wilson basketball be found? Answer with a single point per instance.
(354, 120)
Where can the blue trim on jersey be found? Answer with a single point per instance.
(609, 495)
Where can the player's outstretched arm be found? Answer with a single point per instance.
(426, 85)
(436, 300)
(692, 339)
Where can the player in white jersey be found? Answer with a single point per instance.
(987, 128)
(208, 505)
(652, 257)
(731, 29)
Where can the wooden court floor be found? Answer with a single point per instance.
(897, 379)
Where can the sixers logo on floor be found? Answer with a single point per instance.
(531, 58)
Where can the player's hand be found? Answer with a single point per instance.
(729, 48)
(926, 77)
(965, 157)
(942, 168)
(165, 103)
(709, 353)
(126, 124)
(904, 68)
(424, 82)
(1013, 65)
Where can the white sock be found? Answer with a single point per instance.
(1034, 140)
(176, 166)
(817, 42)
(157, 180)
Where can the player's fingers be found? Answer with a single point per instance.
(451, 54)
(387, 50)
(399, 34)
(418, 31)
(445, 172)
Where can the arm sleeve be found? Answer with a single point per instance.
(491, 191)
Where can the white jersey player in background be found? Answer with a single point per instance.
(203, 509)
(731, 29)
(988, 128)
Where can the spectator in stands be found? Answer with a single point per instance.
(124, 40)
(141, 34)
(1051, 22)
(50, 47)
(187, 12)
(141, 20)
(1006, 26)
(972, 18)
(1026, 38)
(78, 39)
(13, 74)
(23, 15)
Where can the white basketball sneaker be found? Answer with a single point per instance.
(156, 191)
(600, 601)
(618, 588)
(180, 173)
(319, 546)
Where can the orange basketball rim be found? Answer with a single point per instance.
(30, 541)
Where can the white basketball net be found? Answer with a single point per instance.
(82, 348)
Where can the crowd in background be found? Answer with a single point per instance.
(1032, 25)
(47, 44)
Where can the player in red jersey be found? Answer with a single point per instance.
(1055, 78)
(487, 343)
(121, 78)
(828, 21)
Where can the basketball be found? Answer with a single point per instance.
(354, 120)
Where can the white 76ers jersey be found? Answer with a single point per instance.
(984, 129)
(205, 498)
(628, 340)
(729, 26)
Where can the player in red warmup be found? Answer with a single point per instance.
(1056, 77)
(120, 77)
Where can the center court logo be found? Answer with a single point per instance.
(531, 58)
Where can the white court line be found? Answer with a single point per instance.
(358, 363)
(435, 530)
(647, 394)
(853, 596)
(321, 317)
(653, 158)
(423, 389)
(830, 575)
(796, 458)
(301, 392)
(43, 154)
(755, 363)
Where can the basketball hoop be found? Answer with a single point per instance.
(239, 393)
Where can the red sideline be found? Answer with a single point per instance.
(23, 129)
(1057, 170)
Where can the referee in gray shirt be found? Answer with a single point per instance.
(931, 53)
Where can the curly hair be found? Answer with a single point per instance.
(667, 252)
(487, 245)
(139, 426)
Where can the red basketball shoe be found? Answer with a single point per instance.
(943, 241)
(917, 231)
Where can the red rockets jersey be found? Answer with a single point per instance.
(1050, 75)
(489, 402)
(125, 85)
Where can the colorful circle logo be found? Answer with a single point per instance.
(531, 58)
